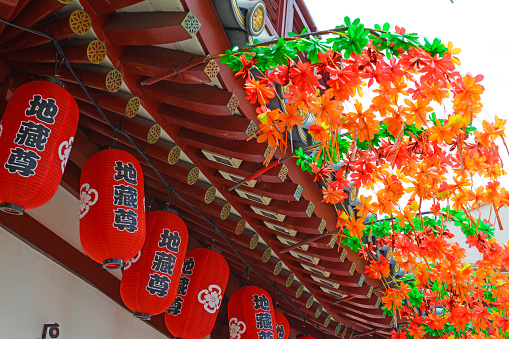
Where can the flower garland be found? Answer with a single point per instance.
(403, 153)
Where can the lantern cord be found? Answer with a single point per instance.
(214, 228)
(150, 204)
(246, 274)
(169, 197)
(277, 298)
(60, 52)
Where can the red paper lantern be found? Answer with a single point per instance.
(304, 336)
(112, 207)
(204, 277)
(251, 314)
(36, 135)
(149, 285)
(282, 325)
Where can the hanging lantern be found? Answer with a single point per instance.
(36, 135)
(282, 325)
(112, 207)
(149, 285)
(251, 314)
(202, 284)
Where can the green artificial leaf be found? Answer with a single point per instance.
(415, 297)
(435, 47)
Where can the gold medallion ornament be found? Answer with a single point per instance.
(327, 321)
(174, 155)
(241, 225)
(338, 328)
(318, 311)
(225, 211)
(132, 108)
(210, 195)
(192, 176)
(289, 280)
(258, 18)
(113, 81)
(310, 301)
(80, 22)
(153, 134)
(254, 241)
(96, 51)
(266, 255)
(299, 291)
(278, 268)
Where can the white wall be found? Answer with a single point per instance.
(34, 290)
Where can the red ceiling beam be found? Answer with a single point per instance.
(32, 15)
(92, 76)
(163, 150)
(238, 149)
(286, 191)
(152, 61)
(103, 7)
(297, 209)
(75, 53)
(143, 129)
(275, 175)
(59, 29)
(200, 98)
(119, 102)
(233, 127)
(147, 28)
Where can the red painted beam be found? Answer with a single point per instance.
(302, 225)
(234, 127)
(60, 29)
(151, 61)
(103, 7)
(200, 98)
(238, 149)
(165, 151)
(275, 175)
(298, 209)
(148, 28)
(119, 102)
(76, 53)
(91, 76)
(286, 191)
(32, 15)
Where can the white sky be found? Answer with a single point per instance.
(477, 27)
